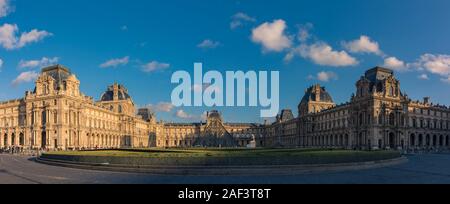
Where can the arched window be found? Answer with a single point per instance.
(32, 117)
(361, 119)
(412, 140)
(120, 108)
(55, 117)
(13, 139)
(21, 139)
(392, 119)
(44, 117)
(380, 119)
(45, 89)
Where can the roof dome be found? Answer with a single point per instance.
(285, 115)
(114, 91)
(214, 113)
(318, 94)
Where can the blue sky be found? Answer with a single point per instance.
(141, 43)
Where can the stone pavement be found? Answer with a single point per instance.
(425, 168)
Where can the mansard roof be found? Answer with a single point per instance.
(312, 95)
(378, 74)
(122, 93)
(59, 73)
(286, 115)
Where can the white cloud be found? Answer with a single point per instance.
(396, 64)
(154, 66)
(290, 55)
(208, 44)
(162, 107)
(436, 64)
(115, 62)
(423, 77)
(45, 61)
(240, 19)
(25, 77)
(446, 80)
(303, 32)
(323, 54)
(32, 36)
(327, 76)
(1, 64)
(8, 37)
(272, 36)
(9, 40)
(363, 45)
(5, 8)
(183, 115)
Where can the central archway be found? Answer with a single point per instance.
(5, 140)
(412, 140)
(421, 140)
(13, 139)
(447, 141)
(21, 139)
(392, 140)
(43, 139)
(434, 140)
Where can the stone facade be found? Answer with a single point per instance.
(378, 116)
(57, 116)
(212, 133)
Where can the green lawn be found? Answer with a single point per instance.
(210, 157)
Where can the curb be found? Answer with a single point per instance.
(227, 170)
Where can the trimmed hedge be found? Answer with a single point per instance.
(221, 158)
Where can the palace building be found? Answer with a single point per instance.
(57, 116)
(213, 133)
(378, 116)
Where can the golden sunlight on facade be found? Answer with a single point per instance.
(57, 116)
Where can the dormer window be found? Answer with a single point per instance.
(391, 92)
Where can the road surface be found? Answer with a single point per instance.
(428, 169)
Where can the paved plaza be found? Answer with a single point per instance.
(421, 169)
